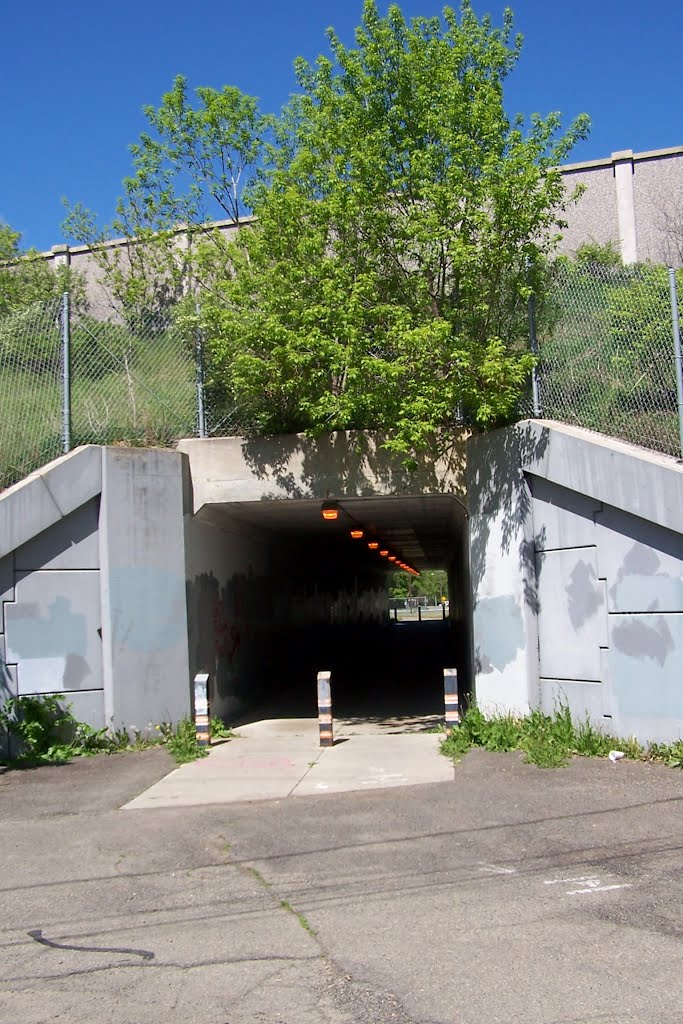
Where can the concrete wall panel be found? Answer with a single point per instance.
(642, 563)
(72, 543)
(52, 632)
(572, 619)
(585, 699)
(44, 497)
(6, 583)
(646, 672)
(144, 616)
(562, 518)
(594, 218)
(658, 199)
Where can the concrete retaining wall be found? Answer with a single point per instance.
(92, 588)
(577, 562)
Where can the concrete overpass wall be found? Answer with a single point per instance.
(577, 566)
(92, 600)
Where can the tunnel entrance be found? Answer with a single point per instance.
(305, 595)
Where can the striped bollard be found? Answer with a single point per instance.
(201, 709)
(325, 709)
(451, 699)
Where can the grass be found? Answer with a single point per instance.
(307, 927)
(549, 741)
(181, 741)
(44, 731)
(155, 405)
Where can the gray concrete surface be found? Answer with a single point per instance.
(283, 758)
(510, 894)
(576, 562)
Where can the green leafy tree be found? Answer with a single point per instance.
(432, 583)
(401, 220)
(384, 284)
(26, 277)
(191, 167)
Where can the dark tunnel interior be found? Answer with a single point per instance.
(322, 603)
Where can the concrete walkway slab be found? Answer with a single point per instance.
(275, 759)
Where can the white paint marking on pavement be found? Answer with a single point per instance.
(578, 878)
(591, 883)
(497, 869)
(598, 888)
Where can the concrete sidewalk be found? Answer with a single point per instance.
(279, 758)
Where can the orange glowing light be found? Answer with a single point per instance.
(373, 545)
(392, 558)
(356, 534)
(330, 510)
(384, 552)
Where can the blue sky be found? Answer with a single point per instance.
(74, 78)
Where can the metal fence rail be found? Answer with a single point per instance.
(605, 337)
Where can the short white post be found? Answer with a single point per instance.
(451, 699)
(202, 721)
(325, 709)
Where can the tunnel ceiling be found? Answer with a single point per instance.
(421, 529)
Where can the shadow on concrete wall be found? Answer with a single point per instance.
(499, 494)
(353, 463)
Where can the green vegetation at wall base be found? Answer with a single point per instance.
(549, 741)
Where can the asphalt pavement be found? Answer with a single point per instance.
(506, 893)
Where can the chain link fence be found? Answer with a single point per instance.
(135, 381)
(30, 383)
(607, 354)
(132, 382)
(604, 337)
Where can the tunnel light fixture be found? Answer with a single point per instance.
(356, 534)
(373, 545)
(393, 558)
(384, 552)
(330, 510)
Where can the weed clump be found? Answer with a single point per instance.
(549, 741)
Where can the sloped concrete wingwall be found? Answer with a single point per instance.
(92, 590)
(577, 563)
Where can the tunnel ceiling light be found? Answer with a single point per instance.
(330, 510)
(373, 545)
(393, 558)
(356, 534)
(384, 552)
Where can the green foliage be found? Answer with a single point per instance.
(402, 218)
(190, 167)
(46, 732)
(181, 741)
(431, 583)
(219, 730)
(384, 283)
(607, 351)
(548, 741)
(595, 254)
(27, 278)
(43, 728)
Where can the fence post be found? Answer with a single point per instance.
(325, 709)
(533, 342)
(66, 374)
(675, 323)
(199, 371)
